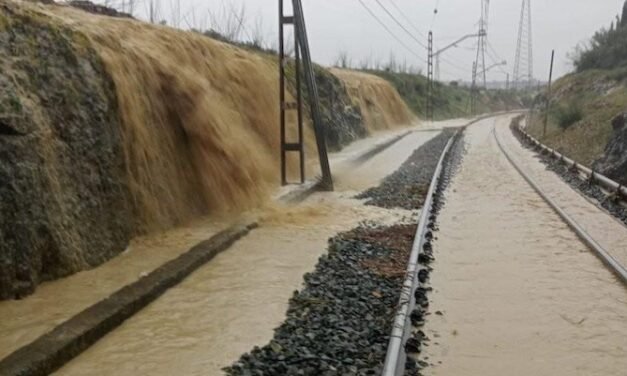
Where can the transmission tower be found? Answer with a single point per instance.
(482, 41)
(523, 64)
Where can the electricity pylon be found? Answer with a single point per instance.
(523, 64)
(482, 41)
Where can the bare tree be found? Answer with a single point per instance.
(364, 64)
(392, 65)
(228, 20)
(342, 60)
(257, 34)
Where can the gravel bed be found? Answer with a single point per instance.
(575, 180)
(339, 323)
(407, 187)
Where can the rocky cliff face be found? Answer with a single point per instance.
(63, 201)
(613, 163)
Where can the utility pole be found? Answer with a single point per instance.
(444, 49)
(303, 64)
(548, 95)
(473, 90)
(429, 111)
(507, 83)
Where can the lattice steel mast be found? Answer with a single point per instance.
(523, 63)
(482, 41)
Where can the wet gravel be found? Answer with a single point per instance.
(339, 323)
(407, 187)
(575, 180)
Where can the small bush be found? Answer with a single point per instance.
(567, 115)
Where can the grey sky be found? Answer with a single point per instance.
(337, 25)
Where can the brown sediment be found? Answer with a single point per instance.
(398, 238)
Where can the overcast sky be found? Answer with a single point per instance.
(345, 25)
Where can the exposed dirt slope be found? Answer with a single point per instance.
(112, 127)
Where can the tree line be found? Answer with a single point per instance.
(607, 49)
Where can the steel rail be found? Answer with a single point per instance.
(395, 357)
(594, 177)
(603, 254)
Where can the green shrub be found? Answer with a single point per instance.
(567, 115)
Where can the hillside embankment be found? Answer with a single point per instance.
(586, 120)
(450, 100)
(111, 128)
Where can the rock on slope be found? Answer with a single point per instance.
(63, 200)
(613, 163)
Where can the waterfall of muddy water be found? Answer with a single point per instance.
(381, 106)
(199, 117)
(518, 292)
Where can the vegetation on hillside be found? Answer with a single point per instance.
(450, 100)
(607, 48)
(584, 103)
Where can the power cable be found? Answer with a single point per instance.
(399, 24)
(390, 32)
(407, 31)
(400, 11)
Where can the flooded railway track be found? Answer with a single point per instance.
(614, 265)
(432, 313)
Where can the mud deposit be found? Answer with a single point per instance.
(407, 186)
(339, 323)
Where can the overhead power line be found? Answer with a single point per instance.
(409, 33)
(400, 11)
(399, 40)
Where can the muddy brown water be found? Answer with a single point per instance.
(234, 302)
(519, 293)
(226, 307)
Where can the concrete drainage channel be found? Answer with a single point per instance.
(55, 348)
(606, 258)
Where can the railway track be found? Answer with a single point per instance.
(610, 188)
(603, 254)
(405, 336)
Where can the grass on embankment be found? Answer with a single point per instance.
(582, 108)
(450, 100)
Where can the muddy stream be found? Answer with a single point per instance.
(229, 305)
